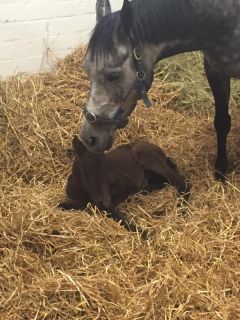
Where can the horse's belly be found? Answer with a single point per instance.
(227, 64)
(224, 57)
(233, 71)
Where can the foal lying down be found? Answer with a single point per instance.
(107, 179)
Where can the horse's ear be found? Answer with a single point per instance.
(103, 8)
(78, 147)
(126, 15)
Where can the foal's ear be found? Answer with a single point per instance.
(126, 15)
(103, 8)
(78, 147)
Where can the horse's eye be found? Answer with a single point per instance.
(113, 76)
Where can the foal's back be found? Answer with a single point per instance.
(122, 163)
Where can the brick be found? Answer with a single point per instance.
(26, 30)
(12, 12)
(10, 50)
(66, 41)
(29, 64)
(39, 11)
(30, 28)
(71, 24)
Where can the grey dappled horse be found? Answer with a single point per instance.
(126, 44)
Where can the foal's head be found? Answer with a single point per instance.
(110, 63)
(83, 158)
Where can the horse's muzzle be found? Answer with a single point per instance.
(96, 139)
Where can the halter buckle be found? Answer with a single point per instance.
(140, 75)
(137, 56)
(91, 117)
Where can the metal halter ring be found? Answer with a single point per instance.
(91, 117)
(140, 75)
(136, 56)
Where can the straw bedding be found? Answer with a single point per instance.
(74, 265)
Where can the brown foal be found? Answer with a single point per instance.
(107, 179)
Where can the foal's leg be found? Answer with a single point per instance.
(117, 215)
(171, 176)
(152, 158)
(220, 86)
(71, 204)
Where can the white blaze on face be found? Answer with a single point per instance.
(98, 102)
(107, 96)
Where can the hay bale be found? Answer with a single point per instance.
(57, 265)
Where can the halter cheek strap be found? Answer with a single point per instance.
(140, 88)
(141, 77)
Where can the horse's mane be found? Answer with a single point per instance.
(162, 20)
(101, 42)
(153, 21)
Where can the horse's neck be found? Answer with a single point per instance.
(197, 31)
(155, 52)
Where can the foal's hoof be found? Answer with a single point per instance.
(71, 204)
(144, 234)
(68, 205)
(64, 206)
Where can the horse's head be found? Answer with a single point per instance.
(118, 75)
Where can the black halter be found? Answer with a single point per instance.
(120, 120)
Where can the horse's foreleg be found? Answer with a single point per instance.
(220, 86)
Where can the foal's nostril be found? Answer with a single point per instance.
(92, 141)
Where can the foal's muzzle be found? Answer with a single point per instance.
(96, 138)
(93, 143)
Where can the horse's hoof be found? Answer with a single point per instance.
(219, 176)
(221, 167)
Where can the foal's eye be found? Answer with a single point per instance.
(113, 76)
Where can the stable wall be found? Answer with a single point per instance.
(32, 32)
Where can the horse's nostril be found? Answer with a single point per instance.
(92, 141)
(109, 144)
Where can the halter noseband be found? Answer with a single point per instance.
(117, 121)
(120, 120)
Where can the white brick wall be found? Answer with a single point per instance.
(30, 28)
